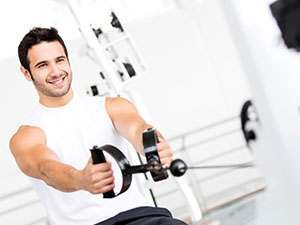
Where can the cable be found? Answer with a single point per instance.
(239, 166)
(178, 167)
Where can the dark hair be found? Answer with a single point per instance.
(34, 37)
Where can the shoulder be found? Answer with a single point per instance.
(27, 136)
(120, 108)
(29, 130)
(114, 103)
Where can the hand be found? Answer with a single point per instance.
(96, 178)
(164, 151)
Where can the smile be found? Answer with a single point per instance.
(58, 81)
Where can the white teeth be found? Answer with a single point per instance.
(57, 81)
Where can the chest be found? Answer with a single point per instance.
(71, 134)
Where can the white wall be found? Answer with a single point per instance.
(195, 69)
(202, 82)
(194, 74)
(17, 17)
(273, 74)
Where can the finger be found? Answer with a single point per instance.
(159, 135)
(106, 182)
(107, 188)
(160, 139)
(165, 153)
(102, 167)
(90, 161)
(166, 161)
(101, 189)
(98, 177)
(162, 145)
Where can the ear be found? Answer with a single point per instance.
(26, 73)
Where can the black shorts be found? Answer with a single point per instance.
(143, 216)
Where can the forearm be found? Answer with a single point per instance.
(60, 176)
(127, 121)
(136, 136)
(36, 160)
(95, 179)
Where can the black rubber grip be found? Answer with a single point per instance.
(150, 140)
(98, 157)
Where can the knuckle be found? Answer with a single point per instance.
(92, 169)
(93, 178)
(101, 166)
(94, 186)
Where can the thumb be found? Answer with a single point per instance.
(90, 161)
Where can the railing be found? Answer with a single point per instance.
(231, 150)
(188, 145)
(204, 128)
(10, 209)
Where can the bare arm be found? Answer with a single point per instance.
(127, 121)
(35, 159)
(131, 125)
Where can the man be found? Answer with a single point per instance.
(52, 146)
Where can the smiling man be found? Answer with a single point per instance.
(52, 145)
(48, 69)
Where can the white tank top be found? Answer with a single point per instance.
(71, 131)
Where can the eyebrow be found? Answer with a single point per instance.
(45, 61)
(61, 57)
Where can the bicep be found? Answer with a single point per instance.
(124, 115)
(127, 121)
(29, 148)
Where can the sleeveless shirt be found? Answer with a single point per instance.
(71, 131)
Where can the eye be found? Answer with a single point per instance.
(60, 60)
(42, 65)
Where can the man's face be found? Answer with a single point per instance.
(50, 69)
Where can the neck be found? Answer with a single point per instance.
(56, 101)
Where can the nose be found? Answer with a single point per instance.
(54, 69)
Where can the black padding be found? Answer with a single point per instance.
(287, 16)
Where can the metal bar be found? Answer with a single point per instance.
(109, 73)
(223, 172)
(235, 149)
(19, 207)
(216, 175)
(210, 139)
(196, 212)
(146, 178)
(17, 192)
(204, 128)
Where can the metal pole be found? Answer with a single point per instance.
(118, 87)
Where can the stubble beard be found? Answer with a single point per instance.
(46, 90)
